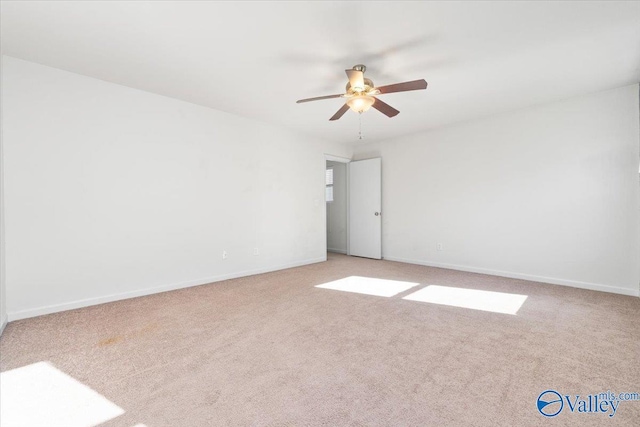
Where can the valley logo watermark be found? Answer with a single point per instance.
(551, 403)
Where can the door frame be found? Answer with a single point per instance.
(346, 161)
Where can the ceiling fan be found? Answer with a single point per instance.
(360, 93)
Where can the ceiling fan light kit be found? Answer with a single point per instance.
(360, 103)
(361, 93)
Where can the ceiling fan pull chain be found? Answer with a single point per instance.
(360, 126)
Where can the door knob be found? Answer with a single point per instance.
(377, 213)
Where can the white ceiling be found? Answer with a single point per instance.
(256, 59)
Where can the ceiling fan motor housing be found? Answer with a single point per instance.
(368, 85)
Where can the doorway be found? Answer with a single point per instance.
(336, 198)
(353, 192)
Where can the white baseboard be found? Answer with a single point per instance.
(530, 277)
(338, 251)
(40, 311)
(3, 323)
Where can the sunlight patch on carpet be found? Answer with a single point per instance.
(369, 286)
(41, 395)
(496, 302)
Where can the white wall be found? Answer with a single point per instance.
(337, 210)
(3, 305)
(112, 192)
(548, 193)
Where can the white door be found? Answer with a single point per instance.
(365, 205)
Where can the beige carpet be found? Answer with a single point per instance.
(273, 350)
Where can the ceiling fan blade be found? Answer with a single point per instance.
(356, 79)
(385, 108)
(403, 87)
(340, 112)
(318, 98)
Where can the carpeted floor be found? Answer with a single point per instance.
(274, 350)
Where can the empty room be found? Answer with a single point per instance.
(280, 213)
